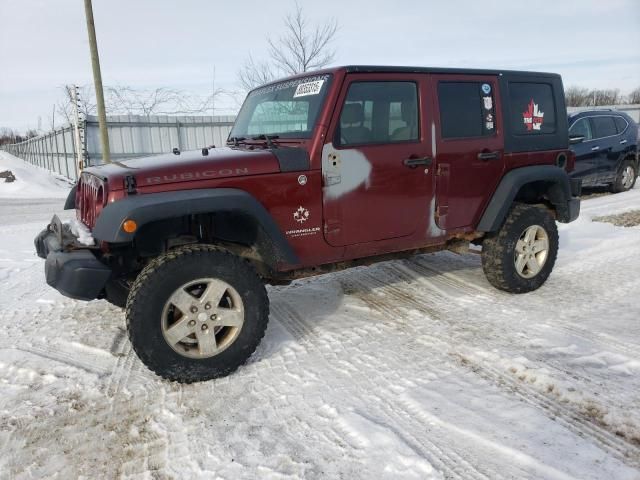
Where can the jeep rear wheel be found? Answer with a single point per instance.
(520, 256)
(196, 313)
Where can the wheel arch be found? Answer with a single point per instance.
(543, 184)
(228, 215)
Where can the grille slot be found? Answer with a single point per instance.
(90, 198)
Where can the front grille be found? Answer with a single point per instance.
(90, 198)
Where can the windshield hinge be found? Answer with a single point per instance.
(130, 184)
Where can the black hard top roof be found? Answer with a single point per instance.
(409, 69)
(468, 71)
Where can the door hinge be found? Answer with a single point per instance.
(130, 184)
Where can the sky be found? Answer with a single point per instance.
(167, 43)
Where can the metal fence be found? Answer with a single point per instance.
(129, 136)
(137, 136)
(55, 151)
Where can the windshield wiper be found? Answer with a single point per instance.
(236, 140)
(268, 138)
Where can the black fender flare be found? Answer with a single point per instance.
(70, 202)
(561, 194)
(147, 208)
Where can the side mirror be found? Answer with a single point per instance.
(576, 139)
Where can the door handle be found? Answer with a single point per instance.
(593, 149)
(622, 142)
(488, 155)
(414, 162)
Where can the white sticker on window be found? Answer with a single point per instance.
(308, 88)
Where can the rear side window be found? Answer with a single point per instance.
(379, 112)
(621, 124)
(466, 109)
(582, 128)
(533, 108)
(603, 127)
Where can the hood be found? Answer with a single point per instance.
(221, 162)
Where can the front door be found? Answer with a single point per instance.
(586, 152)
(469, 146)
(376, 166)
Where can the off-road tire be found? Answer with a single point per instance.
(618, 184)
(155, 284)
(498, 249)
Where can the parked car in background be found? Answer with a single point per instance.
(605, 143)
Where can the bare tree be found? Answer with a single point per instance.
(86, 103)
(303, 47)
(606, 97)
(159, 101)
(583, 97)
(255, 73)
(634, 96)
(577, 96)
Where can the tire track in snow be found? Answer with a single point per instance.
(557, 411)
(613, 392)
(55, 353)
(572, 419)
(390, 417)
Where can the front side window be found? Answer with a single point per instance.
(604, 127)
(466, 109)
(287, 109)
(533, 108)
(582, 128)
(379, 112)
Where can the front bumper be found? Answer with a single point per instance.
(72, 270)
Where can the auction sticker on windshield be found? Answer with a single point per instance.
(308, 88)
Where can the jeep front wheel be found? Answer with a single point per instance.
(196, 313)
(520, 256)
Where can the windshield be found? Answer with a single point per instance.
(287, 109)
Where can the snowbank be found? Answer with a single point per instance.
(31, 181)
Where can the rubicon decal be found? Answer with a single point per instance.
(533, 117)
(178, 177)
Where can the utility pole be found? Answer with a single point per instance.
(97, 80)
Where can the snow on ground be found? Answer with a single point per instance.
(31, 181)
(413, 369)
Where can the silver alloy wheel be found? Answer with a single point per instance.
(202, 318)
(627, 177)
(532, 250)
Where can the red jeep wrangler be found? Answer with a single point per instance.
(322, 171)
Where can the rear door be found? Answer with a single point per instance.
(468, 133)
(377, 180)
(606, 145)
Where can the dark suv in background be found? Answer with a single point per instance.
(605, 143)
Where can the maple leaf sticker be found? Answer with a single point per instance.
(301, 215)
(533, 117)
